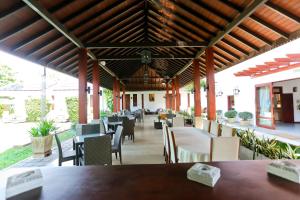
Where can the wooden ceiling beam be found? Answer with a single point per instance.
(172, 57)
(177, 44)
(284, 12)
(235, 22)
(17, 6)
(38, 8)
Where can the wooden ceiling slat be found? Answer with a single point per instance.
(4, 14)
(282, 11)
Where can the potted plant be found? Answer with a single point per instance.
(41, 138)
(245, 118)
(247, 138)
(231, 115)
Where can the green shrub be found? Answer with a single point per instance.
(42, 129)
(245, 115)
(72, 106)
(108, 97)
(231, 114)
(33, 109)
(5, 107)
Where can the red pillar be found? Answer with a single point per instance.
(173, 95)
(177, 94)
(82, 77)
(167, 96)
(123, 98)
(118, 94)
(210, 76)
(197, 99)
(96, 85)
(114, 95)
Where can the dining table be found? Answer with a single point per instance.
(240, 180)
(114, 124)
(78, 140)
(193, 144)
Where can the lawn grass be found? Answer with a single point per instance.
(16, 154)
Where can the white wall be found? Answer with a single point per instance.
(160, 101)
(287, 87)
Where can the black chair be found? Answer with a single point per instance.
(64, 156)
(128, 129)
(116, 148)
(104, 130)
(84, 129)
(97, 151)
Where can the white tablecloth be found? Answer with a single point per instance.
(193, 145)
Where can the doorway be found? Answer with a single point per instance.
(230, 102)
(127, 101)
(264, 106)
(283, 106)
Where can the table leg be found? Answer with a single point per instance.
(77, 154)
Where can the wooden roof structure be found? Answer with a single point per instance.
(117, 31)
(291, 61)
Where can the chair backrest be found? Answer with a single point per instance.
(224, 148)
(227, 131)
(128, 126)
(117, 136)
(58, 146)
(112, 118)
(102, 127)
(206, 125)
(97, 150)
(173, 150)
(178, 121)
(214, 128)
(166, 140)
(90, 129)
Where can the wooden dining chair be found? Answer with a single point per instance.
(214, 128)
(173, 148)
(224, 148)
(206, 125)
(166, 143)
(227, 131)
(64, 156)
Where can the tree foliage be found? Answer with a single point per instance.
(6, 75)
(72, 106)
(33, 109)
(108, 97)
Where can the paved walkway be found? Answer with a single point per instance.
(147, 149)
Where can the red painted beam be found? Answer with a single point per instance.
(173, 95)
(197, 97)
(210, 77)
(167, 96)
(96, 85)
(177, 94)
(82, 77)
(115, 109)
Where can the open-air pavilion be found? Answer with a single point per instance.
(157, 45)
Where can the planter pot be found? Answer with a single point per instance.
(231, 120)
(245, 153)
(261, 157)
(245, 122)
(41, 146)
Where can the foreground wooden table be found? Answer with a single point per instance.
(239, 180)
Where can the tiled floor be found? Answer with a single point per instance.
(147, 149)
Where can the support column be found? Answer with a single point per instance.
(82, 77)
(114, 95)
(197, 95)
(96, 85)
(188, 101)
(173, 96)
(123, 98)
(210, 76)
(177, 94)
(167, 96)
(118, 94)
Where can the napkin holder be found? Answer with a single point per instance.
(285, 169)
(204, 174)
(23, 182)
